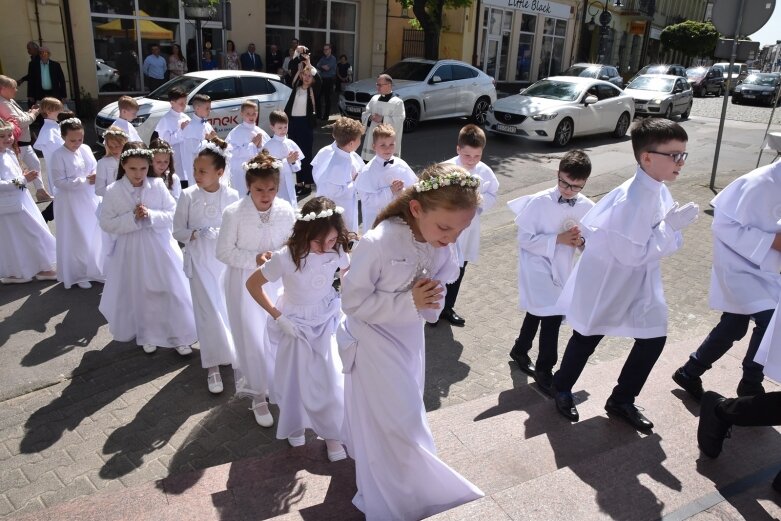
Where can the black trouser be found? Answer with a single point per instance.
(752, 411)
(326, 92)
(184, 183)
(644, 354)
(731, 328)
(48, 212)
(549, 339)
(302, 133)
(452, 289)
(153, 83)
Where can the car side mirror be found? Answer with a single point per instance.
(677, 90)
(590, 100)
(604, 77)
(435, 79)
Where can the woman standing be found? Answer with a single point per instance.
(300, 110)
(177, 65)
(231, 56)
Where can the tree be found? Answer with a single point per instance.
(691, 38)
(429, 15)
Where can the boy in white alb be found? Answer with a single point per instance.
(383, 178)
(49, 137)
(288, 152)
(745, 281)
(616, 288)
(198, 130)
(548, 237)
(244, 143)
(336, 166)
(128, 110)
(471, 143)
(171, 127)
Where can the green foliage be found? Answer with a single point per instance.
(429, 18)
(691, 38)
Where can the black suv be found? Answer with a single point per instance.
(706, 80)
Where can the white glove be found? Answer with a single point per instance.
(679, 217)
(208, 233)
(287, 326)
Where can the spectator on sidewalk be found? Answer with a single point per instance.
(274, 59)
(231, 56)
(32, 50)
(250, 60)
(45, 78)
(326, 66)
(177, 65)
(155, 67)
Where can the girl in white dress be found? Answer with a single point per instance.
(396, 281)
(79, 241)
(146, 297)
(196, 224)
(163, 166)
(28, 246)
(106, 172)
(251, 228)
(308, 381)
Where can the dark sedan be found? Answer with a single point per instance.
(706, 80)
(757, 88)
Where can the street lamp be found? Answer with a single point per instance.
(604, 21)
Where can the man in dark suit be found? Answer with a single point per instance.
(45, 77)
(274, 59)
(250, 60)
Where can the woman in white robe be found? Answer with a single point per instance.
(395, 283)
(79, 241)
(256, 224)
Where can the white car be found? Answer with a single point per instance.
(661, 95)
(430, 90)
(108, 77)
(557, 108)
(227, 89)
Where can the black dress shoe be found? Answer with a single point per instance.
(746, 388)
(524, 362)
(544, 380)
(690, 384)
(711, 430)
(452, 317)
(565, 404)
(629, 413)
(303, 191)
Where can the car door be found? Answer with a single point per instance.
(226, 103)
(610, 106)
(440, 92)
(467, 87)
(589, 116)
(264, 92)
(686, 95)
(680, 100)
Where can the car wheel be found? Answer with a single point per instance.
(701, 92)
(622, 125)
(685, 115)
(735, 101)
(412, 116)
(563, 133)
(480, 112)
(669, 112)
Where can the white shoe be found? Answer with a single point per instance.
(297, 441)
(337, 455)
(264, 419)
(149, 348)
(214, 381)
(84, 285)
(15, 280)
(184, 350)
(46, 277)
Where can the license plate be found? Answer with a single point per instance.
(749, 96)
(638, 106)
(506, 128)
(353, 110)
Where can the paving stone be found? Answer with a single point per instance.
(20, 496)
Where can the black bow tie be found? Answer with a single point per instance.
(388, 162)
(204, 120)
(570, 202)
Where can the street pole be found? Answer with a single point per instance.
(772, 113)
(732, 58)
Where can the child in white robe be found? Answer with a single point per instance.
(548, 238)
(163, 166)
(171, 127)
(146, 296)
(252, 227)
(197, 224)
(79, 241)
(288, 152)
(193, 135)
(28, 246)
(395, 283)
(49, 138)
(244, 143)
(308, 379)
(106, 171)
(382, 178)
(336, 166)
(128, 111)
(616, 287)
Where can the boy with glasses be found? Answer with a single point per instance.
(548, 237)
(616, 287)
(384, 107)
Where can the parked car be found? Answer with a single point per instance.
(661, 68)
(661, 95)
(739, 73)
(108, 77)
(560, 107)
(757, 88)
(430, 90)
(705, 80)
(227, 89)
(595, 70)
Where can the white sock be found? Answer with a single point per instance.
(333, 445)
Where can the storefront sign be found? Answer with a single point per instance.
(655, 33)
(542, 7)
(637, 27)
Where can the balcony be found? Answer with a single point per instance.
(638, 7)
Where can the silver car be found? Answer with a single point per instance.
(430, 90)
(661, 95)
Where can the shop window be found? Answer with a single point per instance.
(312, 13)
(525, 46)
(161, 8)
(112, 6)
(343, 16)
(280, 12)
(552, 49)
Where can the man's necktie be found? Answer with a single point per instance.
(570, 202)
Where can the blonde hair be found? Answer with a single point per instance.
(6, 126)
(127, 103)
(49, 105)
(113, 134)
(5, 81)
(449, 197)
(346, 130)
(383, 130)
(248, 104)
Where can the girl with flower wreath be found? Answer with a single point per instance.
(163, 166)
(146, 296)
(308, 380)
(106, 171)
(28, 246)
(251, 228)
(396, 282)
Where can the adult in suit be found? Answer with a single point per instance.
(32, 50)
(274, 59)
(250, 60)
(45, 77)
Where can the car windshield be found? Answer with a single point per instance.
(582, 71)
(735, 68)
(413, 71)
(765, 80)
(696, 72)
(654, 69)
(652, 83)
(186, 83)
(560, 90)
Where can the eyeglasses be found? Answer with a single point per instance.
(567, 186)
(676, 156)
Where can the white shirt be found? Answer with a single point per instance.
(169, 129)
(192, 136)
(105, 173)
(333, 170)
(373, 185)
(299, 103)
(128, 128)
(49, 140)
(242, 149)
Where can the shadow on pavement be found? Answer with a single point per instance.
(443, 364)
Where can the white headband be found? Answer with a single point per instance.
(311, 216)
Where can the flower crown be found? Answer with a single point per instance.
(162, 151)
(109, 132)
(276, 165)
(208, 145)
(311, 216)
(74, 121)
(451, 179)
(136, 152)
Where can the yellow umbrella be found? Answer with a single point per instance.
(149, 29)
